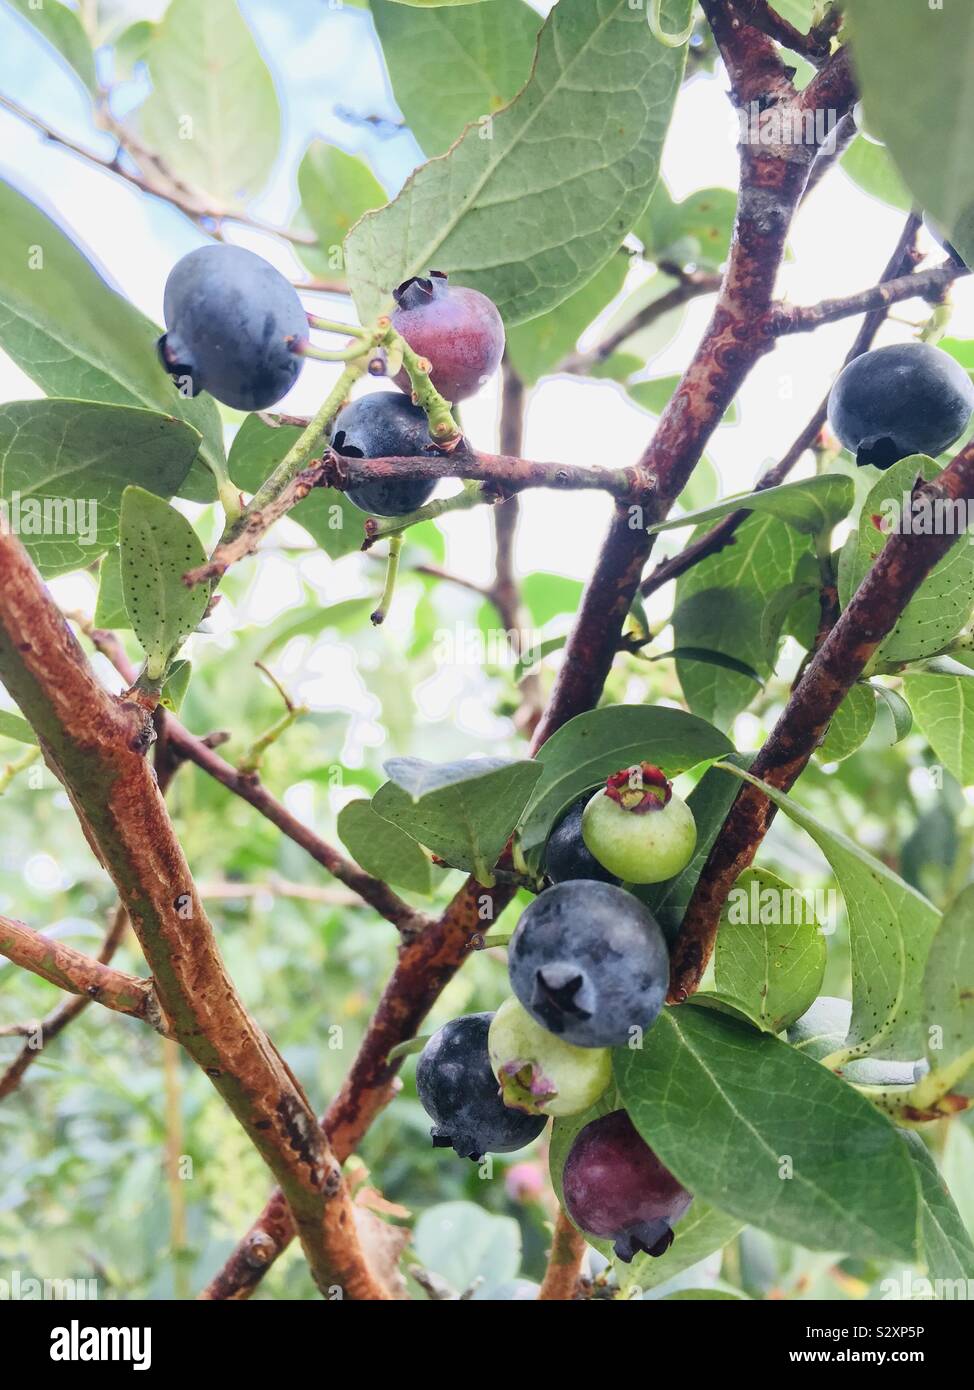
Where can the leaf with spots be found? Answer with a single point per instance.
(770, 1136)
(948, 996)
(891, 927)
(530, 214)
(943, 707)
(158, 546)
(947, 1248)
(850, 725)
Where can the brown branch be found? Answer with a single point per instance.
(42, 1033)
(714, 540)
(871, 614)
(930, 285)
(76, 973)
(373, 892)
(814, 45)
(96, 745)
(564, 1262)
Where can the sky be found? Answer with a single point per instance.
(328, 69)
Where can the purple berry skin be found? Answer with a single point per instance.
(385, 425)
(616, 1188)
(457, 330)
(589, 963)
(566, 853)
(232, 324)
(909, 398)
(459, 1092)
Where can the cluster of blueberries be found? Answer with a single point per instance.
(236, 328)
(589, 968)
(588, 962)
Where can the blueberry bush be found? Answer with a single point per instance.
(334, 821)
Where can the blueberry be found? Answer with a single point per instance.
(459, 1093)
(385, 425)
(233, 323)
(458, 331)
(589, 963)
(616, 1188)
(910, 398)
(566, 853)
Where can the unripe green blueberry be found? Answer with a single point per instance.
(638, 829)
(539, 1073)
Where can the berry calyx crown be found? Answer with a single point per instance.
(639, 789)
(418, 291)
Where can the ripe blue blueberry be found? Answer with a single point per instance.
(566, 853)
(457, 330)
(589, 963)
(615, 1187)
(385, 425)
(909, 398)
(459, 1093)
(233, 327)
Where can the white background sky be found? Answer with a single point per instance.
(327, 60)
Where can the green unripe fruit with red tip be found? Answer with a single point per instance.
(638, 829)
(539, 1073)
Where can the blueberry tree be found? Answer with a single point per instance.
(635, 988)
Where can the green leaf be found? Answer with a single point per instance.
(12, 726)
(131, 48)
(464, 812)
(382, 849)
(462, 1243)
(948, 994)
(809, 506)
(65, 464)
(851, 725)
(769, 964)
(942, 604)
(336, 189)
(706, 1296)
(213, 112)
(62, 28)
(591, 746)
(74, 336)
(698, 229)
(710, 801)
(475, 59)
(158, 546)
(720, 605)
(946, 1245)
(890, 928)
(326, 514)
(899, 709)
(546, 596)
(943, 707)
(922, 111)
(575, 198)
(110, 608)
(962, 349)
(728, 663)
(870, 166)
(542, 344)
(645, 342)
(177, 683)
(770, 1136)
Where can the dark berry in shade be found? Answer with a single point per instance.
(459, 1092)
(589, 963)
(233, 327)
(909, 398)
(385, 425)
(457, 330)
(566, 853)
(617, 1189)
